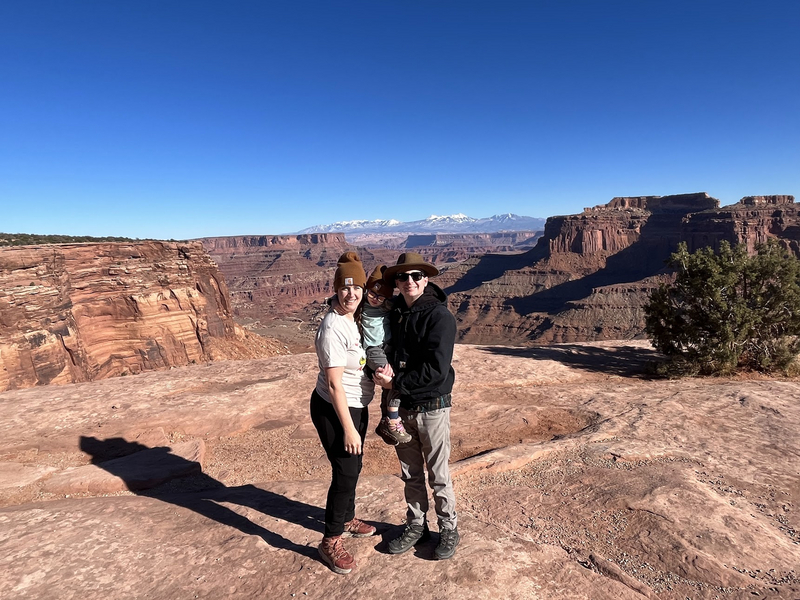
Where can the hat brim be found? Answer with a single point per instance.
(428, 269)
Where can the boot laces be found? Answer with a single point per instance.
(337, 549)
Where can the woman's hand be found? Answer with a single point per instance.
(352, 441)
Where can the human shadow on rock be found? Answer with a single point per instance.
(624, 361)
(139, 467)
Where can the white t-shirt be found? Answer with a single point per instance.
(338, 344)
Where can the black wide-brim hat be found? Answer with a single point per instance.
(410, 261)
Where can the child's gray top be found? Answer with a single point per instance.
(375, 325)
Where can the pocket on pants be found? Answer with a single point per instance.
(435, 413)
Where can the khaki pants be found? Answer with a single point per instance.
(430, 446)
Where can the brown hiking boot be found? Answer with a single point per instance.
(357, 528)
(333, 554)
(392, 431)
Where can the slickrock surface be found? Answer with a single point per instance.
(82, 312)
(576, 477)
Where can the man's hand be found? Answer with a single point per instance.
(382, 379)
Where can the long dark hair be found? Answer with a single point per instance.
(359, 310)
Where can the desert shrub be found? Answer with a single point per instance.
(28, 239)
(727, 311)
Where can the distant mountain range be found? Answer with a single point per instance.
(435, 224)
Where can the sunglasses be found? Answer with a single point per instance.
(373, 295)
(415, 275)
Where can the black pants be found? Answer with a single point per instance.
(345, 467)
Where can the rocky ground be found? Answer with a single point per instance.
(576, 476)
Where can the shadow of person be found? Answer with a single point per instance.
(143, 469)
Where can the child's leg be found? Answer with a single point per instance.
(391, 427)
(376, 358)
(385, 402)
(392, 404)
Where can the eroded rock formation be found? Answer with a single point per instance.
(587, 278)
(751, 221)
(454, 247)
(81, 312)
(278, 277)
(590, 275)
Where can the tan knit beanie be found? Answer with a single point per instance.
(376, 283)
(349, 271)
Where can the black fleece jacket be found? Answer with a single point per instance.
(421, 349)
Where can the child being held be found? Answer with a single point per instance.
(375, 337)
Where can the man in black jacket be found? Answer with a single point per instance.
(421, 355)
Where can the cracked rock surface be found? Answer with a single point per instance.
(576, 477)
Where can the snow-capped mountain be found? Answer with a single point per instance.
(459, 223)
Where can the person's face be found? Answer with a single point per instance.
(409, 288)
(374, 299)
(350, 297)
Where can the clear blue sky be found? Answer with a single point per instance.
(180, 119)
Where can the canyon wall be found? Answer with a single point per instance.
(587, 278)
(291, 275)
(454, 247)
(590, 274)
(751, 221)
(81, 312)
(277, 275)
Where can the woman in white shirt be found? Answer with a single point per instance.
(339, 410)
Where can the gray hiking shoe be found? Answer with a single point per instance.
(412, 534)
(448, 540)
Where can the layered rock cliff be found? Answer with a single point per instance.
(277, 275)
(81, 312)
(455, 247)
(751, 221)
(587, 278)
(590, 275)
(290, 275)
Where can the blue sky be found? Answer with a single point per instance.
(181, 119)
